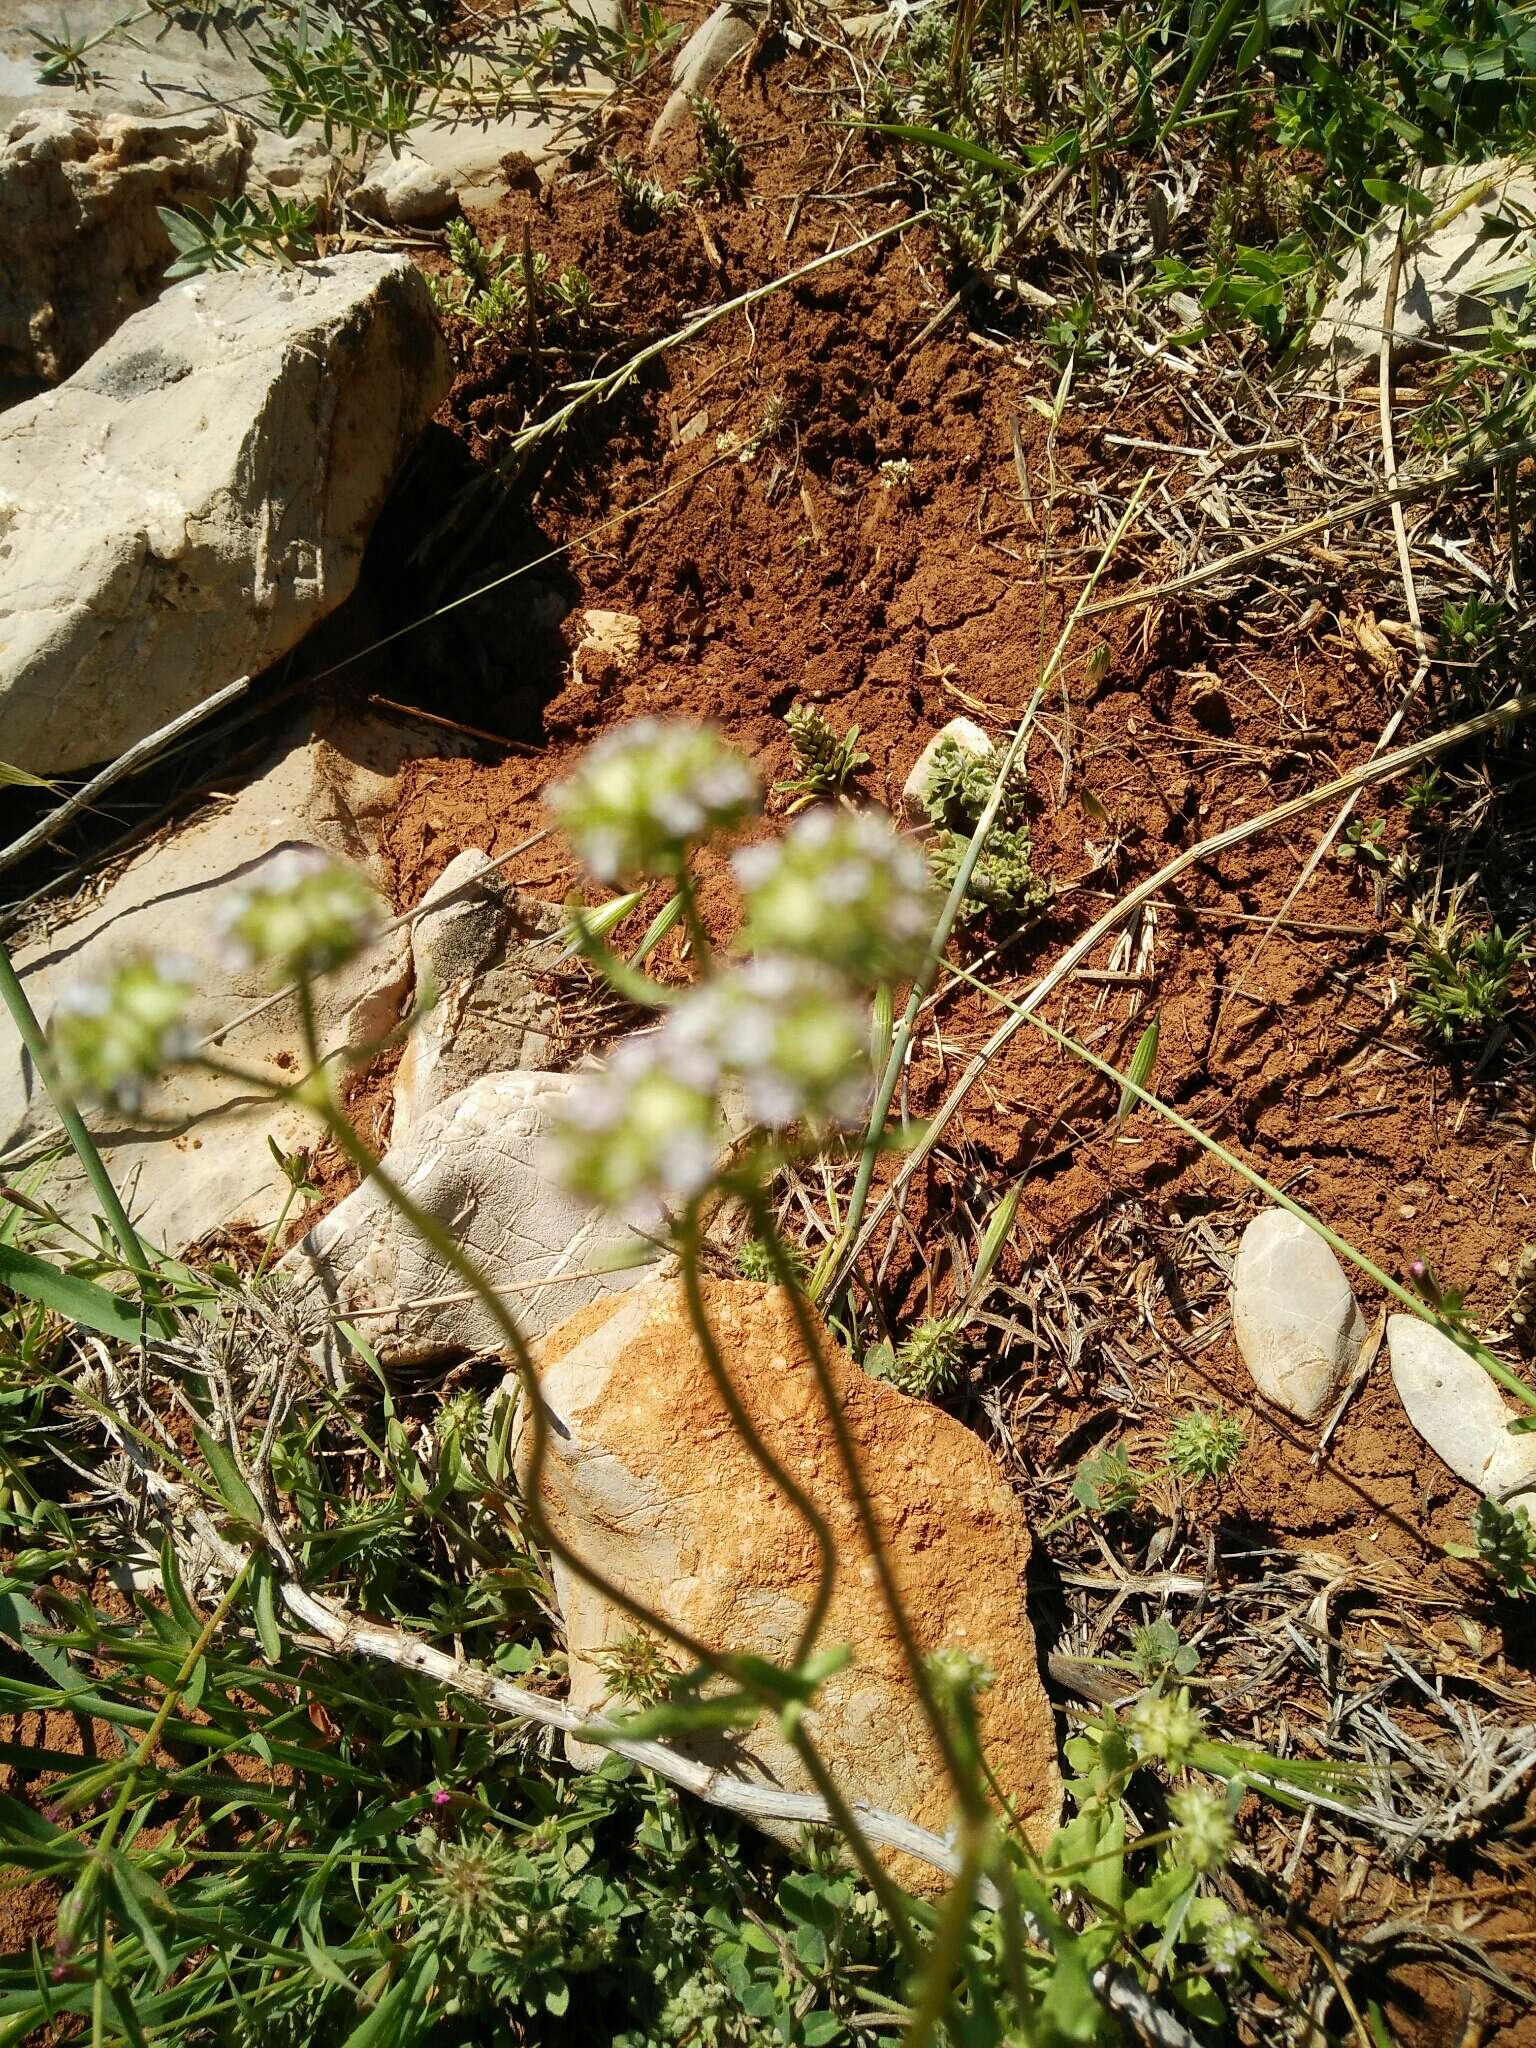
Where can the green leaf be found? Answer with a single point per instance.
(820, 2028)
(233, 1491)
(23, 778)
(68, 1295)
(952, 145)
(139, 1899)
(1139, 1073)
(1388, 192)
(266, 1610)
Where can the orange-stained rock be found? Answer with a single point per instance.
(647, 1478)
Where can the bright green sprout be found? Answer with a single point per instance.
(1205, 1445)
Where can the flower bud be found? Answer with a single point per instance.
(842, 888)
(640, 795)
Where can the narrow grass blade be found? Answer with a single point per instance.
(1138, 1074)
(81, 1300)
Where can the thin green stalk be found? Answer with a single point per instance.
(934, 1994)
(703, 950)
(1494, 1367)
(30, 1031)
(885, 1092)
(967, 1791)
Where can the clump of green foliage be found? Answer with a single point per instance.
(643, 201)
(722, 168)
(1459, 978)
(234, 231)
(1004, 878)
(828, 762)
(502, 292)
(926, 1363)
(1108, 1484)
(1206, 1445)
(1505, 1545)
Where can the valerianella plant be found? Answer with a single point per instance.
(843, 888)
(641, 795)
(302, 914)
(114, 1035)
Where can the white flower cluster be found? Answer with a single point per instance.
(647, 1128)
(640, 794)
(840, 887)
(111, 1037)
(788, 1032)
(303, 914)
(840, 902)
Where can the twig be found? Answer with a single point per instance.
(137, 756)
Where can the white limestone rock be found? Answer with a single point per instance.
(402, 188)
(196, 1159)
(475, 1163)
(1473, 250)
(967, 736)
(1295, 1318)
(718, 39)
(190, 503)
(474, 952)
(1460, 1413)
(82, 244)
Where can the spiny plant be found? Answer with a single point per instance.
(1459, 977)
(1205, 1445)
(233, 231)
(1257, 207)
(926, 1363)
(722, 168)
(643, 202)
(496, 290)
(1004, 879)
(828, 761)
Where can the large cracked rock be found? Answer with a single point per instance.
(647, 1478)
(474, 1163)
(82, 245)
(190, 503)
(198, 1159)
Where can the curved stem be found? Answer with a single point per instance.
(703, 948)
(967, 1791)
(798, 1498)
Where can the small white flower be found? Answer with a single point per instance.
(640, 794)
(843, 888)
(112, 1036)
(303, 914)
(1165, 1727)
(1230, 1944)
(1203, 1827)
(646, 1128)
(789, 1031)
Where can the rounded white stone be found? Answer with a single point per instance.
(1460, 1413)
(1295, 1318)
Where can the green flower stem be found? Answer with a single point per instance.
(967, 1788)
(317, 1092)
(1494, 1367)
(885, 1093)
(934, 1996)
(30, 1031)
